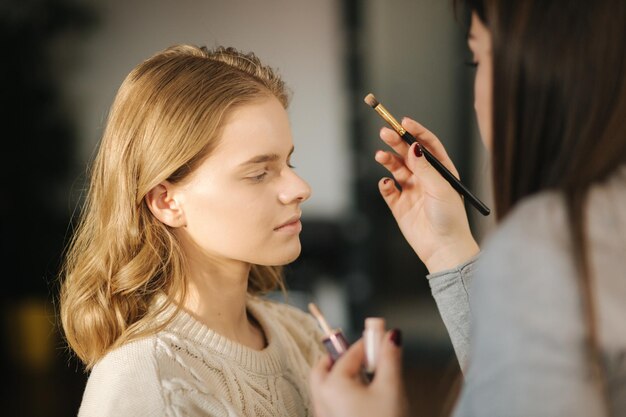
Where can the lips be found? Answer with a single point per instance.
(292, 221)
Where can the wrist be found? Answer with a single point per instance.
(452, 255)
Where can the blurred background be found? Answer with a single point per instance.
(65, 59)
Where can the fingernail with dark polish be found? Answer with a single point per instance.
(396, 337)
(418, 151)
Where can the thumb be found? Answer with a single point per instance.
(349, 364)
(389, 364)
(319, 372)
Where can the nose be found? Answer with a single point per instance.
(294, 189)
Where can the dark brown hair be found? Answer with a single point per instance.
(559, 122)
(559, 109)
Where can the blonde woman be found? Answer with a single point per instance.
(192, 207)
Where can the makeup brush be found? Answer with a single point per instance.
(408, 138)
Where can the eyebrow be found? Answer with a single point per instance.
(270, 157)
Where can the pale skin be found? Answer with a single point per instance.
(432, 218)
(240, 207)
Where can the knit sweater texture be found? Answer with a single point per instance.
(189, 370)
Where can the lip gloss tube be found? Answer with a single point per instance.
(335, 342)
(372, 338)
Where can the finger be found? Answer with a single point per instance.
(389, 364)
(391, 138)
(431, 142)
(349, 364)
(317, 377)
(426, 176)
(320, 371)
(395, 165)
(390, 193)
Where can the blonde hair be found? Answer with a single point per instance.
(165, 119)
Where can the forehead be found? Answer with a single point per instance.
(259, 127)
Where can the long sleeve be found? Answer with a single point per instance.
(451, 290)
(124, 383)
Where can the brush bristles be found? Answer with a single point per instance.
(371, 100)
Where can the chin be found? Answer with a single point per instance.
(291, 258)
(285, 257)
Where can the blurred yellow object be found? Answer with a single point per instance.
(30, 334)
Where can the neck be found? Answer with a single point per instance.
(216, 296)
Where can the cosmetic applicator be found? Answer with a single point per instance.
(334, 342)
(373, 335)
(409, 139)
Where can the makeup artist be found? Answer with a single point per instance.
(536, 316)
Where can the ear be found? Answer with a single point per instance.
(161, 202)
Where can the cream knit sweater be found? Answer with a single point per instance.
(190, 370)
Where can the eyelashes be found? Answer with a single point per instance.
(471, 64)
(260, 177)
(263, 175)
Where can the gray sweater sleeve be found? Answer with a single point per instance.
(451, 289)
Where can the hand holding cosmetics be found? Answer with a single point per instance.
(336, 343)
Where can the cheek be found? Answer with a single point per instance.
(239, 226)
(226, 222)
(482, 103)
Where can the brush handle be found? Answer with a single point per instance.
(445, 173)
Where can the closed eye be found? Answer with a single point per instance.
(260, 177)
